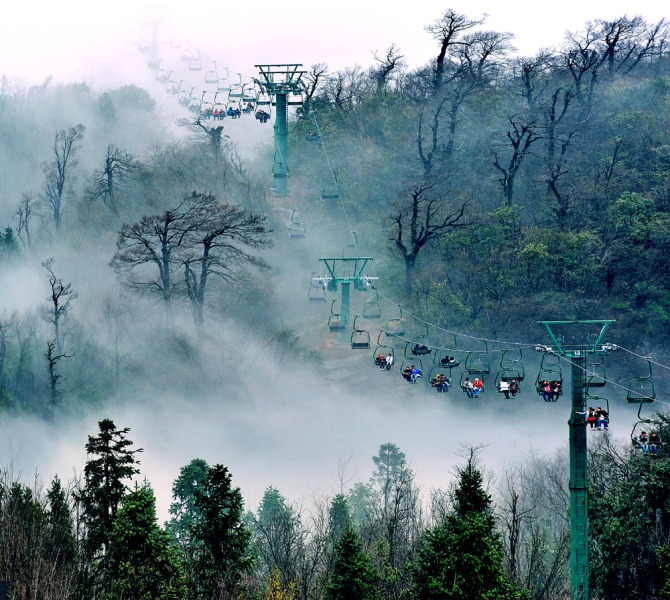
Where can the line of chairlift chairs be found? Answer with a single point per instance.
(230, 99)
(477, 364)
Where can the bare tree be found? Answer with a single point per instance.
(25, 214)
(53, 358)
(447, 31)
(58, 303)
(104, 183)
(426, 216)
(58, 174)
(391, 61)
(219, 246)
(521, 137)
(203, 236)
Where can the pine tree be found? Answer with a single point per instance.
(354, 576)
(461, 558)
(111, 463)
(222, 552)
(142, 563)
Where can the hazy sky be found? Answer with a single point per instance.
(79, 39)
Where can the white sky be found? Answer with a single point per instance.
(93, 41)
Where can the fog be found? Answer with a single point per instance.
(232, 397)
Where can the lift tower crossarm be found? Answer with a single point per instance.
(577, 349)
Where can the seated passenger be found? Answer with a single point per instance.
(407, 374)
(380, 361)
(555, 390)
(643, 442)
(468, 388)
(478, 386)
(389, 361)
(545, 391)
(654, 442)
(415, 374)
(503, 388)
(513, 388)
(420, 349)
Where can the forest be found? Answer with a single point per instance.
(149, 266)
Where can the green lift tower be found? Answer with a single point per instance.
(575, 341)
(345, 271)
(283, 84)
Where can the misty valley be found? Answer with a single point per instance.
(311, 334)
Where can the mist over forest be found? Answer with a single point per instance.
(165, 313)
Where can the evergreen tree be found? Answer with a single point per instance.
(182, 510)
(462, 557)
(62, 540)
(110, 464)
(339, 517)
(142, 564)
(222, 551)
(354, 576)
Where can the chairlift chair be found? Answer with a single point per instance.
(478, 362)
(316, 295)
(512, 362)
(153, 62)
(550, 370)
(382, 348)
(395, 327)
(372, 309)
(195, 64)
(337, 322)
(641, 389)
(295, 99)
(595, 375)
(408, 362)
(360, 338)
(212, 76)
(144, 46)
(330, 191)
(421, 343)
(296, 230)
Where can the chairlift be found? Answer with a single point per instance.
(478, 361)
(337, 322)
(296, 230)
(312, 136)
(372, 309)
(421, 344)
(383, 349)
(432, 377)
(317, 290)
(641, 389)
(316, 295)
(144, 46)
(451, 359)
(511, 361)
(330, 191)
(407, 364)
(360, 338)
(187, 54)
(195, 64)
(396, 327)
(163, 75)
(212, 76)
(594, 374)
(550, 370)
(295, 99)
(153, 62)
